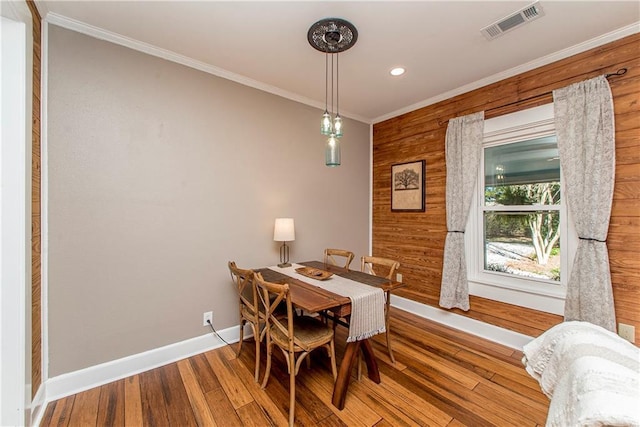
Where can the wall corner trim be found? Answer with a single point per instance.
(38, 405)
(493, 333)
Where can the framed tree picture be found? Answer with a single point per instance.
(407, 187)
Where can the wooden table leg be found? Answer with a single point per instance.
(370, 359)
(346, 367)
(344, 374)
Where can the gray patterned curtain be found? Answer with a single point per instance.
(585, 130)
(463, 146)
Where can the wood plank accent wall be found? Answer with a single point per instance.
(36, 239)
(417, 239)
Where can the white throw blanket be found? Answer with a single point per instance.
(367, 302)
(591, 375)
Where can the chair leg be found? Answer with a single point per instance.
(388, 326)
(292, 391)
(241, 337)
(393, 359)
(332, 355)
(268, 368)
(256, 337)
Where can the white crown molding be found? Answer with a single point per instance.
(99, 33)
(149, 49)
(545, 60)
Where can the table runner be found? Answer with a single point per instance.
(367, 302)
(356, 276)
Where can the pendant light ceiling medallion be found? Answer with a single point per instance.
(332, 36)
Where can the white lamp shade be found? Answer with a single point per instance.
(284, 230)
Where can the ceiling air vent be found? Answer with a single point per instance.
(512, 21)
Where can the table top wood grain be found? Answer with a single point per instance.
(313, 299)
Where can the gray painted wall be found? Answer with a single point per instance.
(158, 175)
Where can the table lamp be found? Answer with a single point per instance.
(284, 232)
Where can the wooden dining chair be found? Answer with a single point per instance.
(339, 257)
(249, 306)
(294, 335)
(382, 267)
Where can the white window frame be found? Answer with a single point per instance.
(538, 294)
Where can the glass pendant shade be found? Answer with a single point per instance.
(325, 126)
(337, 126)
(332, 152)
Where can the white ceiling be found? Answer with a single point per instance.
(264, 43)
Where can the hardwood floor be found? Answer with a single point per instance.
(442, 377)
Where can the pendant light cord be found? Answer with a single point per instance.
(337, 84)
(326, 79)
(332, 89)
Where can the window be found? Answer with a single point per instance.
(519, 237)
(521, 208)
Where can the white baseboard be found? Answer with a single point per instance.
(94, 376)
(493, 333)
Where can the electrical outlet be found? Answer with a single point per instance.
(399, 277)
(628, 332)
(207, 316)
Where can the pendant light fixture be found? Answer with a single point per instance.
(332, 36)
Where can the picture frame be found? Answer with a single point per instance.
(408, 186)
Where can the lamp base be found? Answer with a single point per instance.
(284, 256)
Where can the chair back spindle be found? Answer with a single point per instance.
(339, 257)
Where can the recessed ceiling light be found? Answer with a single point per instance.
(398, 71)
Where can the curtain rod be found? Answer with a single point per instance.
(620, 72)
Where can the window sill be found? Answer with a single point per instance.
(548, 301)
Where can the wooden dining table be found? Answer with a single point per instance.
(314, 299)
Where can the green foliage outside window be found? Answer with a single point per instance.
(541, 226)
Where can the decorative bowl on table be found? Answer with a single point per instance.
(314, 273)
